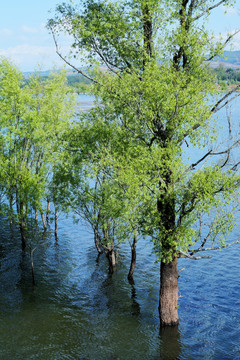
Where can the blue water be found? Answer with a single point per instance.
(77, 310)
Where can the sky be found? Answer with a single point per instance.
(25, 40)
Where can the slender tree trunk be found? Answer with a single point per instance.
(111, 256)
(36, 215)
(48, 211)
(22, 224)
(11, 208)
(55, 220)
(133, 259)
(23, 233)
(168, 303)
(96, 241)
(32, 265)
(43, 221)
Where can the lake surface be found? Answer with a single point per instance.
(77, 310)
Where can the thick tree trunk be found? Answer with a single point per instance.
(168, 303)
(133, 259)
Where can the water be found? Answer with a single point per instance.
(77, 311)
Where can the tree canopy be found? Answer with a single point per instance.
(149, 61)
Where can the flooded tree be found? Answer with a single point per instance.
(154, 78)
(86, 184)
(31, 120)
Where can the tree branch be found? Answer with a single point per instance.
(215, 108)
(224, 44)
(183, 255)
(67, 62)
(209, 9)
(218, 248)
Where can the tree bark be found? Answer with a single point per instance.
(111, 260)
(48, 211)
(133, 259)
(11, 208)
(43, 221)
(36, 215)
(22, 224)
(168, 303)
(23, 233)
(96, 241)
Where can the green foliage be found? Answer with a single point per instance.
(32, 120)
(155, 94)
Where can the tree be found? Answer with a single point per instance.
(85, 183)
(31, 120)
(157, 83)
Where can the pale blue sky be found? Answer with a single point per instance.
(24, 39)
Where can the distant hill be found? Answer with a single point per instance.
(230, 59)
(46, 73)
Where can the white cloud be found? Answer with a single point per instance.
(27, 56)
(33, 30)
(29, 30)
(6, 32)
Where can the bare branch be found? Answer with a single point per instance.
(106, 62)
(219, 247)
(209, 9)
(234, 168)
(229, 38)
(228, 114)
(192, 166)
(192, 252)
(184, 255)
(227, 150)
(68, 63)
(215, 108)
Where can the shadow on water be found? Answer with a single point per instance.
(170, 343)
(135, 307)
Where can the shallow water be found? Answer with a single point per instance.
(77, 310)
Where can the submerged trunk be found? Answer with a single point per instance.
(133, 259)
(55, 220)
(111, 256)
(168, 303)
(23, 233)
(32, 265)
